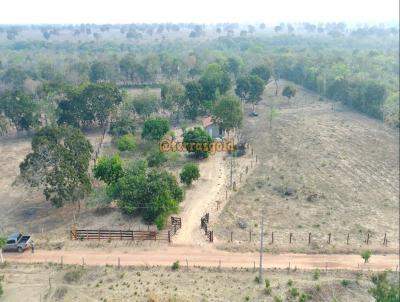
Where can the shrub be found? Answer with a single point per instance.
(1, 290)
(156, 158)
(127, 142)
(175, 265)
(268, 291)
(366, 255)
(108, 169)
(122, 125)
(73, 276)
(345, 283)
(316, 274)
(267, 283)
(294, 292)
(384, 291)
(197, 137)
(278, 299)
(190, 172)
(303, 298)
(290, 282)
(155, 128)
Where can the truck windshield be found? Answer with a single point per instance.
(19, 237)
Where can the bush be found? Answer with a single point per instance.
(73, 276)
(366, 255)
(345, 283)
(1, 290)
(294, 292)
(290, 282)
(268, 291)
(316, 274)
(175, 265)
(267, 283)
(108, 169)
(155, 128)
(303, 298)
(126, 143)
(278, 299)
(197, 137)
(190, 172)
(122, 125)
(384, 291)
(156, 159)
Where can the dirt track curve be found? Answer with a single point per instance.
(207, 257)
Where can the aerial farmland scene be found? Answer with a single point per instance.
(179, 151)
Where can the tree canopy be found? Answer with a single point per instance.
(59, 163)
(227, 112)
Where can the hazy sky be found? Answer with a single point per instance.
(201, 11)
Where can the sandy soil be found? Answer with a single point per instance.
(155, 284)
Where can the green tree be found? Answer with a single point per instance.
(250, 89)
(121, 125)
(156, 158)
(198, 142)
(20, 109)
(194, 105)
(384, 291)
(155, 128)
(59, 163)
(88, 104)
(126, 142)
(3, 241)
(213, 81)
(227, 112)
(109, 169)
(145, 104)
(289, 91)
(189, 173)
(153, 193)
(100, 71)
(262, 71)
(173, 97)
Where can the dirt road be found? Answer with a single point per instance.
(207, 257)
(200, 199)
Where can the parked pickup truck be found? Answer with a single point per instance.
(17, 243)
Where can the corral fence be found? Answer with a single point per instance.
(165, 235)
(204, 225)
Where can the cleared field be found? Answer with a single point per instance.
(71, 283)
(321, 170)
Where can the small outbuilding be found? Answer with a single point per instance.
(212, 127)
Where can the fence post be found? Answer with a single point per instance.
(384, 240)
(309, 238)
(212, 236)
(272, 237)
(62, 262)
(368, 238)
(250, 235)
(348, 237)
(169, 236)
(290, 237)
(231, 236)
(329, 238)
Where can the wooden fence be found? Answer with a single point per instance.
(165, 235)
(309, 238)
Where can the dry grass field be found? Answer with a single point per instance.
(321, 169)
(51, 282)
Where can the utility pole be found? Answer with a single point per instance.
(260, 277)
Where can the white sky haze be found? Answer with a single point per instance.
(197, 11)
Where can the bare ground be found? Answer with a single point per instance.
(71, 283)
(321, 171)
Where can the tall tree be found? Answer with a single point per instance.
(59, 164)
(213, 81)
(20, 109)
(227, 112)
(262, 71)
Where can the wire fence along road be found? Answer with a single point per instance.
(206, 257)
